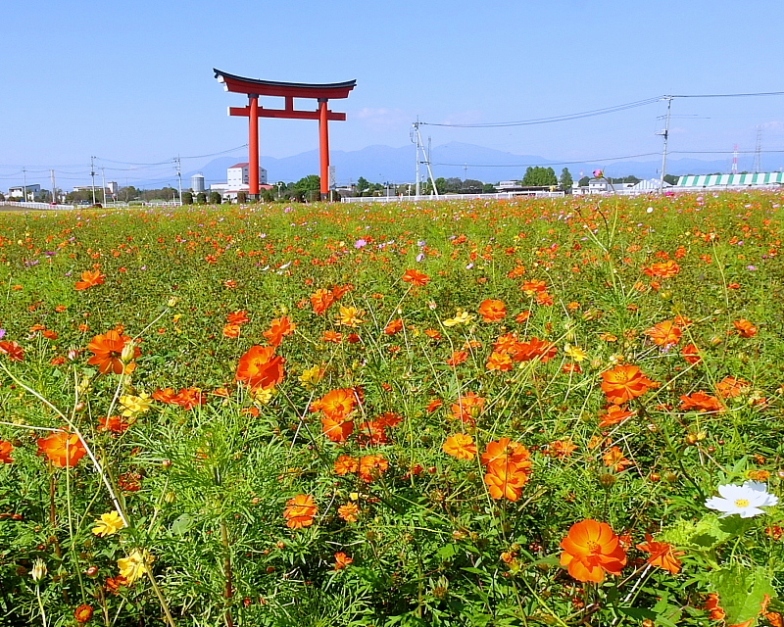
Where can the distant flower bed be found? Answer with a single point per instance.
(560, 412)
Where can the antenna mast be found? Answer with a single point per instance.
(666, 134)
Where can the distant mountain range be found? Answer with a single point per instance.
(380, 164)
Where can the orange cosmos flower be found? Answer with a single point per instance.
(665, 333)
(188, 398)
(534, 286)
(614, 415)
(691, 354)
(113, 424)
(321, 300)
(468, 407)
(460, 446)
(499, 362)
(527, 351)
(561, 449)
(260, 368)
(110, 354)
(663, 270)
(663, 554)
(342, 560)
(5, 452)
(615, 459)
(332, 336)
(337, 428)
(279, 328)
(349, 512)
(624, 382)
(745, 328)
(63, 449)
(715, 611)
(371, 466)
(700, 401)
(457, 358)
(592, 549)
(346, 465)
(503, 452)
(165, 395)
(492, 310)
(300, 511)
(396, 326)
(232, 331)
(730, 387)
(14, 351)
(239, 317)
(505, 483)
(336, 404)
(83, 613)
(416, 278)
(434, 405)
(90, 278)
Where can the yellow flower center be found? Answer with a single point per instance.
(741, 502)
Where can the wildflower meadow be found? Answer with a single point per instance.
(530, 412)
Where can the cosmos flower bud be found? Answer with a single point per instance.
(39, 570)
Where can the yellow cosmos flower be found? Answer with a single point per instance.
(136, 565)
(263, 395)
(311, 376)
(461, 317)
(576, 353)
(135, 405)
(108, 524)
(351, 316)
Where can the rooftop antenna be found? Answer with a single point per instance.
(666, 134)
(416, 137)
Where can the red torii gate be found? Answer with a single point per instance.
(254, 88)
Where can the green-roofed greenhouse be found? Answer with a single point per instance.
(730, 181)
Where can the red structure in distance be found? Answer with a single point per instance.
(255, 88)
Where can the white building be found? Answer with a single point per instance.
(19, 192)
(239, 174)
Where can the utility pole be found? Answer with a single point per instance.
(179, 178)
(92, 175)
(54, 187)
(24, 176)
(103, 179)
(758, 151)
(666, 134)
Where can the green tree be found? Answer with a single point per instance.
(539, 176)
(187, 198)
(672, 179)
(488, 188)
(201, 198)
(215, 198)
(566, 180)
(363, 185)
(583, 182)
(242, 197)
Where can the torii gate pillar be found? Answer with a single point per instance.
(255, 88)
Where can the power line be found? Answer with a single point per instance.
(550, 120)
(524, 165)
(746, 95)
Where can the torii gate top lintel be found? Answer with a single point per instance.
(258, 87)
(254, 88)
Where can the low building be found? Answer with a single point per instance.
(32, 191)
(239, 174)
(746, 180)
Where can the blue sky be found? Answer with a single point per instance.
(132, 82)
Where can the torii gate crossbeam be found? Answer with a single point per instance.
(255, 88)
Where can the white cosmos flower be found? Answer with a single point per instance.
(745, 500)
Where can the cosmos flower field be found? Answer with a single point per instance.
(535, 412)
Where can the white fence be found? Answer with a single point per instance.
(499, 196)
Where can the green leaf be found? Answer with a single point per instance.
(742, 591)
(182, 524)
